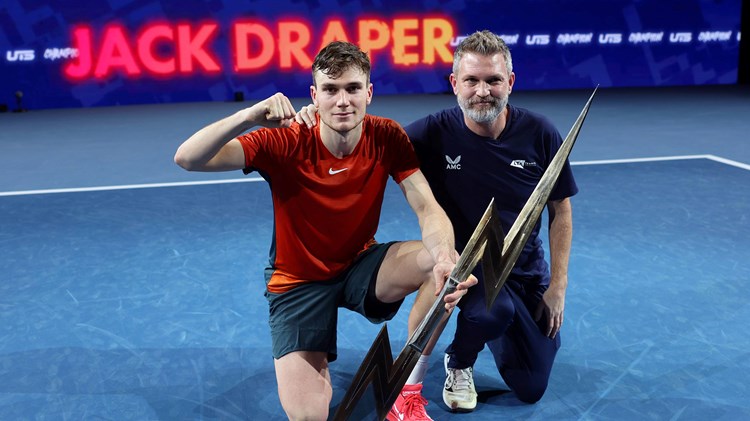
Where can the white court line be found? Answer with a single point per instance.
(253, 179)
(631, 160)
(665, 158)
(729, 162)
(130, 186)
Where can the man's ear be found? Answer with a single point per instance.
(314, 95)
(454, 81)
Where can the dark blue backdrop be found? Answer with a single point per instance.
(556, 44)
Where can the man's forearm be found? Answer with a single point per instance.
(206, 143)
(560, 238)
(438, 237)
(436, 228)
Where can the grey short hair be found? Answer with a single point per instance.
(484, 43)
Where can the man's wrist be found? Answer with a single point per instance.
(446, 255)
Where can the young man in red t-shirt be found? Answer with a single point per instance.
(327, 185)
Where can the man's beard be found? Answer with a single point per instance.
(486, 115)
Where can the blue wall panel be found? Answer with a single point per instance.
(150, 51)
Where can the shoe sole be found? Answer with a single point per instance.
(457, 409)
(453, 407)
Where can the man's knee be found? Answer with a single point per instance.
(531, 395)
(304, 406)
(308, 413)
(406, 268)
(304, 385)
(530, 391)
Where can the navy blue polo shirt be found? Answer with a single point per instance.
(466, 170)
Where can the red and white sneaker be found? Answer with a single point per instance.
(409, 405)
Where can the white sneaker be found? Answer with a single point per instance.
(459, 393)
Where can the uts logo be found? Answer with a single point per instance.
(680, 37)
(453, 164)
(537, 39)
(610, 38)
(20, 55)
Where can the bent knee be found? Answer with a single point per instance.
(307, 413)
(531, 393)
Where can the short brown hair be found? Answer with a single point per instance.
(339, 56)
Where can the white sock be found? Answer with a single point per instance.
(420, 370)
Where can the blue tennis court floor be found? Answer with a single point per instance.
(147, 303)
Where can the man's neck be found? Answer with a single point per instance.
(340, 144)
(492, 129)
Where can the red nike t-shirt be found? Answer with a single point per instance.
(326, 209)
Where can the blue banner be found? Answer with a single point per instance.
(96, 53)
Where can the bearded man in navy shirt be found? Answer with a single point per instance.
(480, 149)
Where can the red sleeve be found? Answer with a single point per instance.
(263, 146)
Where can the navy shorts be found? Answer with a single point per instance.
(305, 318)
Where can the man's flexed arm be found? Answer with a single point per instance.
(214, 147)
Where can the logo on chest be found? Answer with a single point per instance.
(331, 171)
(522, 163)
(453, 164)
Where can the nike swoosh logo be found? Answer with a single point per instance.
(400, 415)
(334, 172)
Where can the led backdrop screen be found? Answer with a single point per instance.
(64, 53)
